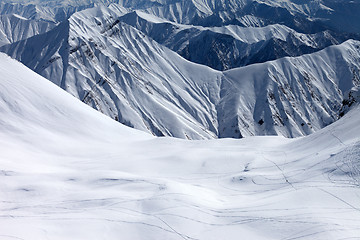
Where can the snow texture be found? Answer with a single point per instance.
(70, 172)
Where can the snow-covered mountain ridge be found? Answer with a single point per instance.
(221, 48)
(304, 16)
(69, 172)
(231, 46)
(121, 72)
(301, 94)
(107, 57)
(14, 28)
(36, 11)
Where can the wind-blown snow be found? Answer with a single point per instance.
(69, 172)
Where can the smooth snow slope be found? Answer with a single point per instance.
(69, 172)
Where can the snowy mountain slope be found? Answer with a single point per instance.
(225, 12)
(344, 16)
(289, 96)
(303, 16)
(54, 11)
(33, 105)
(69, 172)
(340, 15)
(231, 46)
(121, 72)
(195, 12)
(299, 6)
(129, 77)
(53, 14)
(14, 28)
(351, 99)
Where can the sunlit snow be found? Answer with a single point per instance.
(69, 172)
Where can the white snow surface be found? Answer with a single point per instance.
(69, 172)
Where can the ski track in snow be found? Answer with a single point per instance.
(69, 172)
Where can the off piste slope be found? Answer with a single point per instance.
(121, 72)
(69, 172)
(14, 28)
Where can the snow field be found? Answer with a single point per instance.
(69, 172)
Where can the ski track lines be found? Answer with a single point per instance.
(69, 172)
(164, 207)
